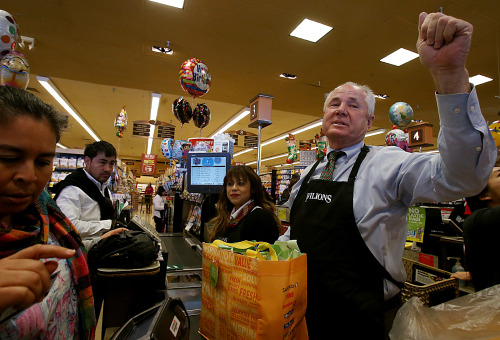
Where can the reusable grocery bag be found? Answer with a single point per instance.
(251, 292)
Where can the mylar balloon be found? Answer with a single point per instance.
(14, 70)
(9, 33)
(395, 137)
(166, 147)
(121, 121)
(201, 116)
(194, 77)
(182, 110)
(401, 114)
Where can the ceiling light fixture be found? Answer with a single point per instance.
(27, 41)
(244, 151)
(173, 3)
(479, 79)
(155, 103)
(310, 30)
(374, 132)
(294, 132)
(281, 137)
(59, 145)
(236, 118)
(164, 50)
(400, 57)
(288, 76)
(269, 158)
(54, 91)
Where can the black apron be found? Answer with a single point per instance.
(345, 293)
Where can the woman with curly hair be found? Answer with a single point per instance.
(243, 210)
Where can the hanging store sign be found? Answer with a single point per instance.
(148, 164)
(250, 141)
(141, 128)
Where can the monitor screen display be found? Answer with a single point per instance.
(206, 171)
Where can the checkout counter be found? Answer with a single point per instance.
(128, 293)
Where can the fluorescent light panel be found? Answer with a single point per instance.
(54, 92)
(236, 118)
(310, 30)
(374, 132)
(400, 57)
(293, 132)
(173, 3)
(479, 79)
(59, 145)
(155, 103)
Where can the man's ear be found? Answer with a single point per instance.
(370, 121)
(87, 161)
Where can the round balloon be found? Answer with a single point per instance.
(14, 70)
(495, 131)
(395, 137)
(9, 33)
(194, 77)
(182, 110)
(201, 116)
(401, 114)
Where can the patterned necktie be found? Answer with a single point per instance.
(327, 173)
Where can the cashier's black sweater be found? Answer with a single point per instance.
(257, 225)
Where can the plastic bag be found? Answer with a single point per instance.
(474, 316)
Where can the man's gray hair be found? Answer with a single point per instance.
(369, 96)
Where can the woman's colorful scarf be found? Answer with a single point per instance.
(32, 227)
(233, 222)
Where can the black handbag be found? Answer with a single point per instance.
(128, 249)
(165, 321)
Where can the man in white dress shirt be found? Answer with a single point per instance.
(84, 196)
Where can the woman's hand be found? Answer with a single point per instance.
(24, 279)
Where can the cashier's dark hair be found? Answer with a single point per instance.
(92, 150)
(17, 103)
(224, 206)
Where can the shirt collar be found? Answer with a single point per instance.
(350, 151)
(235, 213)
(96, 182)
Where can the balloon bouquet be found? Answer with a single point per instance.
(14, 68)
(195, 79)
(321, 144)
(291, 144)
(400, 114)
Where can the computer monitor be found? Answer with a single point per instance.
(206, 171)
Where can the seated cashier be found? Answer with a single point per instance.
(36, 240)
(243, 211)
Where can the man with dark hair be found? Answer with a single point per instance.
(84, 196)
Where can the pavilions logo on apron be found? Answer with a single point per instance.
(318, 197)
